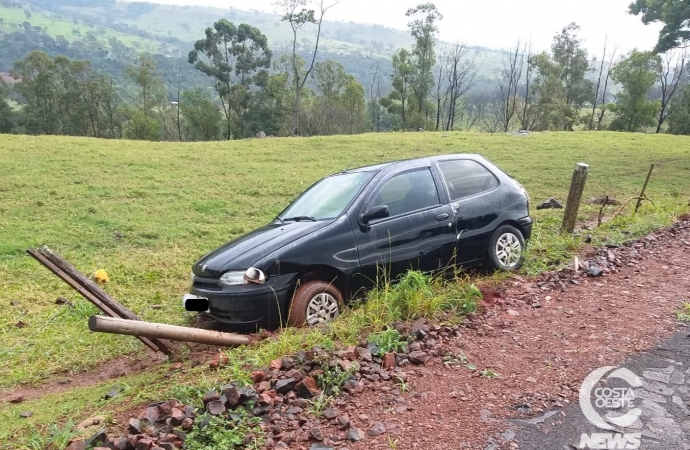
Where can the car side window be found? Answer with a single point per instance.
(465, 178)
(408, 192)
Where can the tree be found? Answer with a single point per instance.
(424, 30)
(595, 99)
(572, 62)
(147, 77)
(669, 86)
(338, 106)
(375, 76)
(461, 77)
(441, 97)
(509, 80)
(397, 102)
(6, 112)
(202, 118)
(297, 15)
(636, 74)
(528, 110)
(679, 117)
(234, 57)
(674, 14)
(41, 91)
(142, 127)
(605, 91)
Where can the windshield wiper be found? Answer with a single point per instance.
(301, 218)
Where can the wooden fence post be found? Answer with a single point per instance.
(644, 189)
(577, 186)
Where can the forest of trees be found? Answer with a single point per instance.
(249, 89)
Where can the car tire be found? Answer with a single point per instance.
(504, 246)
(314, 303)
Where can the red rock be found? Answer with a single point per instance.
(17, 398)
(176, 366)
(211, 396)
(294, 374)
(306, 388)
(132, 439)
(167, 407)
(76, 445)
(143, 444)
(232, 394)
(276, 364)
(187, 424)
(257, 376)
(389, 360)
(176, 417)
(265, 399)
(219, 360)
(350, 354)
(151, 414)
(215, 408)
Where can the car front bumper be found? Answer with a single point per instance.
(248, 306)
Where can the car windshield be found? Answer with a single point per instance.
(328, 198)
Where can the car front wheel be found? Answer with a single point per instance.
(314, 303)
(507, 249)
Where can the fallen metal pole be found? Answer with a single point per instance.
(90, 291)
(139, 328)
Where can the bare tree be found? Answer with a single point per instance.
(605, 90)
(375, 97)
(527, 121)
(179, 91)
(298, 16)
(669, 87)
(461, 79)
(596, 91)
(475, 108)
(508, 83)
(440, 96)
(493, 118)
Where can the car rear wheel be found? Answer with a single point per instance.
(314, 303)
(507, 249)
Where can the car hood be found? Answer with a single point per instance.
(241, 253)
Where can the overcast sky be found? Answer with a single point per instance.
(492, 23)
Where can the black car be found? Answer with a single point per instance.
(330, 244)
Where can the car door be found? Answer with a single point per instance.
(415, 233)
(475, 197)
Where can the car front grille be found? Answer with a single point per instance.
(207, 284)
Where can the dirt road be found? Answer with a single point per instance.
(536, 346)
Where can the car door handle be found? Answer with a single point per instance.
(442, 217)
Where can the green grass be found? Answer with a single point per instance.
(146, 211)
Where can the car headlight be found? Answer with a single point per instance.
(251, 275)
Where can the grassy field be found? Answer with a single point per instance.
(55, 27)
(146, 211)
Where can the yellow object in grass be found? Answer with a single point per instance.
(101, 276)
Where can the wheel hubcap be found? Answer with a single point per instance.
(321, 309)
(508, 250)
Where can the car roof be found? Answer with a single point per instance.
(379, 167)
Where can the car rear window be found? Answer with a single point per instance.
(465, 178)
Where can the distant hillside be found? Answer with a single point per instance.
(110, 33)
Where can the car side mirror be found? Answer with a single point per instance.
(377, 212)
